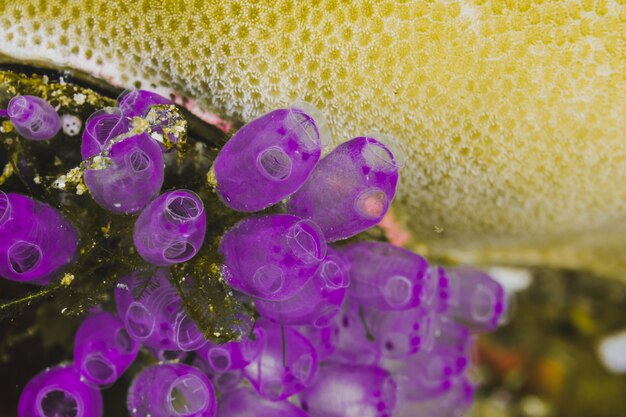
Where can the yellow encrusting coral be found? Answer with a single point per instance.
(511, 113)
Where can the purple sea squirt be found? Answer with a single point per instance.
(350, 190)
(269, 158)
(35, 239)
(171, 228)
(33, 118)
(272, 257)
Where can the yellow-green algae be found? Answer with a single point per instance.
(511, 113)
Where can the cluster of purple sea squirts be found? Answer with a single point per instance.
(366, 329)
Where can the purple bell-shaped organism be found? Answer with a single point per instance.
(471, 297)
(350, 190)
(100, 128)
(33, 117)
(350, 390)
(386, 277)
(317, 302)
(59, 392)
(236, 354)
(287, 364)
(103, 350)
(272, 257)
(133, 176)
(35, 239)
(137, 103)
(269, 158)
(171, 390)
(153, 314)
(244, 402)
(171, 229)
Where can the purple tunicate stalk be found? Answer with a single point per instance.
(244, 402)
(350, 190)
(59, 392)
(386, 277)
(35, 239)
(103, 350)
(171, 228)
(171, 390)
(33, 118)
(272, 257)
(268, 159)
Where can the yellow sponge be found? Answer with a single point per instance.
(512, 113)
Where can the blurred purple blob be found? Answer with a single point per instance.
(427, 375)
(153, 314)
(387, 277)
(35, 239)
(100, 128)
(454, 401)
(268, 159)
(171, 390)
(137, 103)
(278, 374)
(350, 190)
(133, 178)
(318, 302)
(103, 350)
(272, 257)
(244, 402)
(59, 392)
(171, 228)
(471, 297)
(348, 390)
(33, 118)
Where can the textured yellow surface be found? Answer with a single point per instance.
(512, 114)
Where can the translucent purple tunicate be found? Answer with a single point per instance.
(347, 390)
(234, 355)
(244, 402)
(137, 103)
(171, 390)
(33, 117)
(324, 339)
(355, 343)
(287, 364)
(386, 277)
(171, 228)
(222, 381)
(100, 128)
(471, 297)
(133, 176)
(268, 159)
(272, 257)
(367, 334)
(350, 190)
(59, 392)
(318, 301)
(427, 375)
(35, 239)
(103, 350)
(454, 401)
(152, 312)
